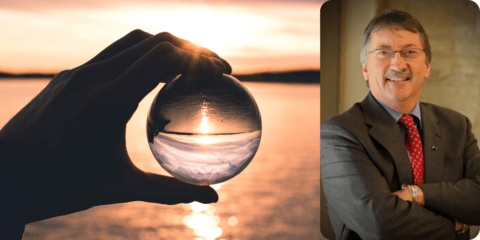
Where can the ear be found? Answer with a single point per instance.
(364, 71)
(427, 71)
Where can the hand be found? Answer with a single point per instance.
(74, 130)
(406, 195)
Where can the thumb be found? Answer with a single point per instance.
(167, 190)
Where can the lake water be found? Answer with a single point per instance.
(276, 197)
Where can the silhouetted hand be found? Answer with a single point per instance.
(72, 135)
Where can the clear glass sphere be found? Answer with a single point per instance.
(204, 131)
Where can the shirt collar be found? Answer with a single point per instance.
(396, 115)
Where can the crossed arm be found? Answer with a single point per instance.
(358, 192)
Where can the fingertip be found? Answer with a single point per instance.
(223, 66)
(206, 195)
(228, 68)
(212, 196)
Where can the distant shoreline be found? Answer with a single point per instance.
(26, 75)
(305, 76)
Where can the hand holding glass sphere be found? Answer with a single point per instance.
(204, 131)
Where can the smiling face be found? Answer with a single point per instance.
(396, 82)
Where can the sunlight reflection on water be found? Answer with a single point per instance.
(203, 220)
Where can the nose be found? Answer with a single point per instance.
(397, 62)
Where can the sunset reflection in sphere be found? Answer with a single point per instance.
(206, 131)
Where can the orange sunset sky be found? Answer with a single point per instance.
(254, 36)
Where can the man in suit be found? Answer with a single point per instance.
(384, 180)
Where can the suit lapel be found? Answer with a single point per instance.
(386, 131)
(433, 145)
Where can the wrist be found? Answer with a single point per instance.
(420, 196)
(413, 192)
(416, 193)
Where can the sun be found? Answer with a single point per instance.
(224, 30)
(220, 30)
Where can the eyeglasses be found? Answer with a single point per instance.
(407, 54)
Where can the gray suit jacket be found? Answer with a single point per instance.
(364, 160)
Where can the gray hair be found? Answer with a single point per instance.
(394, 18)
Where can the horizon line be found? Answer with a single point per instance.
(26, 73)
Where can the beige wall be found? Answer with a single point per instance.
(355, 17)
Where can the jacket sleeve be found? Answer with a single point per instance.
(358, 193)
(460, 197)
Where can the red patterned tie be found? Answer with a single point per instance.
(414, 147)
